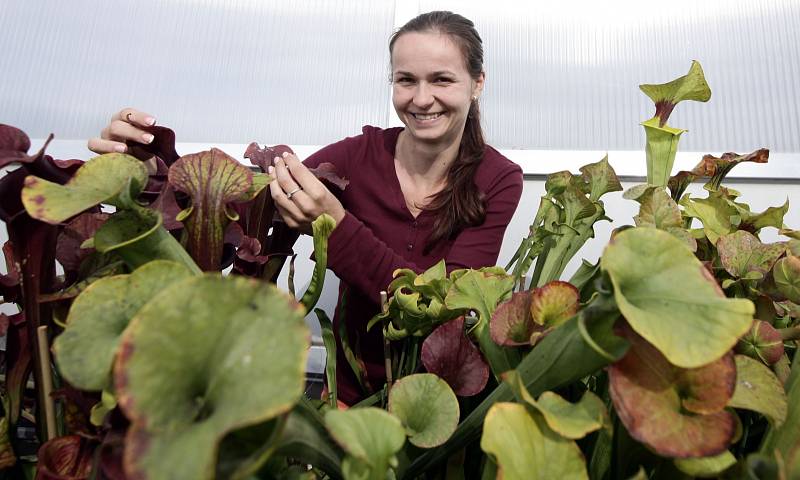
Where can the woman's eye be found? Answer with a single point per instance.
(443, 80)
(404, 80)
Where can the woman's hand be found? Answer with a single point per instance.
(299, 195)
(125, 126)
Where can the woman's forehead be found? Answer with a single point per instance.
(428, 51)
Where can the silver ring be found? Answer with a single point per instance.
(289, 195)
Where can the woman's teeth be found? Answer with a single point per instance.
(426, 116)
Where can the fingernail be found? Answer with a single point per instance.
(276, 159)
(150, 121)
(285, 154)
(120, 148)
(147, 138)
(271, 170)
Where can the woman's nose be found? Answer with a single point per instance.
(423, 96)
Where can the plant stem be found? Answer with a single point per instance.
(47, 383)
(387, 350)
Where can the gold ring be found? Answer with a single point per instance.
(289, 195)
(128, 117)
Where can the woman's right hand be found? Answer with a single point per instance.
(126, 125)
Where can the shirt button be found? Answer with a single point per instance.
(409, 246)
(414, 224)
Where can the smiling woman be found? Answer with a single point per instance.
(428, 191)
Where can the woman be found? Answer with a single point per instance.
(430, 190)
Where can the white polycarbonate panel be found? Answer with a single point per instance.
(235, 71)
(564, 75)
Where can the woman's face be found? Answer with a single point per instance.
(432, 89)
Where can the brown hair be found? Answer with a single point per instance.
(459, 204)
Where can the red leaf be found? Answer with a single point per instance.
(448, 353)
(677, 412)
(65, 458)
(264, 157)
(168, 206)
(12, 139)
(762, 342)
(162, 146)
(9, 283)
(511, 322)
(327, 172)
(249, 251)
(68, 247)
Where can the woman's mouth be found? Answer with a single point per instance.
(426, 117)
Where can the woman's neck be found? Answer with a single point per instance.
(427, 164)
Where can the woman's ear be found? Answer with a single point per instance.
(478, 87)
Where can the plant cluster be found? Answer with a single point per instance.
(674, 356)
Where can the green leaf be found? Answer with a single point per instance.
(213, 180)
(260, 182)
(771, 217)
(328, 338)
(676, 412)
(570, 420)
(482, 291)
(207, 356)
(526, 449)
(715, 213)
(322, 228)
(85, 351)
(691, 86)
(706, 467)
(370, 436)
(601, 178)
(670, 299)
(306, 440)
(576, 205)
(659, 210)
(787, 277)
(557, 182)
(479, 291)
(573, 420)
(99, 410)
(660, 150)
(244, 451)
(113, 178)
(596, 326)
(138, 236)
(741, 253)
(427, 407)
(126, 227)
(758, 389)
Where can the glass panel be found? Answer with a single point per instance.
(221, 71)
(564, 75)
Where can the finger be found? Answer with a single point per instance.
(124, 131)
(134, 117)
(300, 172)
(284, 178)
(283, 202)
(100, 145)
(311, 185)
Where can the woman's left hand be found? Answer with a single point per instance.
(299, 195)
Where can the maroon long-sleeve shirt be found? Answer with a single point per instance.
(379, 235)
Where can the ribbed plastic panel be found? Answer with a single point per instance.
(225, 71)
(564, 75)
